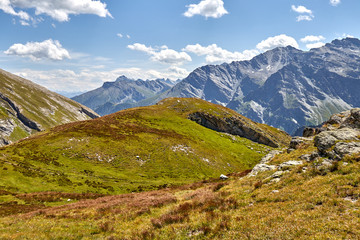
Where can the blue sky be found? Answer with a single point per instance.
(68, 45)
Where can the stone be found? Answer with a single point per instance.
(223, 177)
(325, 165)
(311, 131)
(355, 114)
(277, 174)
(334, 119)
(268, 157)
(309, 157)
(324, 141)
(296, 142)
(347, 148)
(345, 134)
(261, 168)
(289, 164)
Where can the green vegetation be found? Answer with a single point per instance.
(130, 151)
(302, 205)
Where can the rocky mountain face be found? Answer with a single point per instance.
(121, 94)
(26, 107)
(284, 87)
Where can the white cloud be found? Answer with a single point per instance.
(128, 36)
(335, 2)
(163, 55)
(91, 78)
(7, 7)
(214, 53)
(315, 45)
(48, 49)
(56, 9)
(277, 41)
(119, 35)
(312, 38)
(207, 8)
(304, 18)
(301, 10)
(305, 14)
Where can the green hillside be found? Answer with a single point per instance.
(132, 150)
(311, 191)
(26, 107)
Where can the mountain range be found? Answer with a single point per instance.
(27, 108)
(284, 87)
(123, 93)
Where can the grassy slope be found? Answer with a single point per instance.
(101, 155)
(302, 205)
(36, 103)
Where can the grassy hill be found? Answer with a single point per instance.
(132, 150)
(26, 108)
(309, 194)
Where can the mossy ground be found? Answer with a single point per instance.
(302, 205)
(58, 178)
(133, 150)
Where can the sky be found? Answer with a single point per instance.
(76, 45)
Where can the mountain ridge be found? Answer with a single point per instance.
(26, 108)
(284, 87)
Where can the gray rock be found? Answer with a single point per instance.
(277, 174)
(296, 142)
(324, 141)
(309, 157)
(335, 119)
(347, 148)
(325, 165)
(261, 168)
(289, 164)
(345, 134)
(355, 114)
(268, 157)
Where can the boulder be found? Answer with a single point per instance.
(324, 141)
(345, 134)
(311, 131)
(296, 142)
(347, 148)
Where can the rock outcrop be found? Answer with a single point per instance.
(339, 138)
(235, 126)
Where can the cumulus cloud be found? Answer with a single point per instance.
(312, 38)
(315, 45)
(305, 14)
(301, 10)
(335, 2)
(214, 53)
(7, 7)
(48, 49)
(163, 55)
(277, 41)
(56, 9)
(91, 78)
(207, 8)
